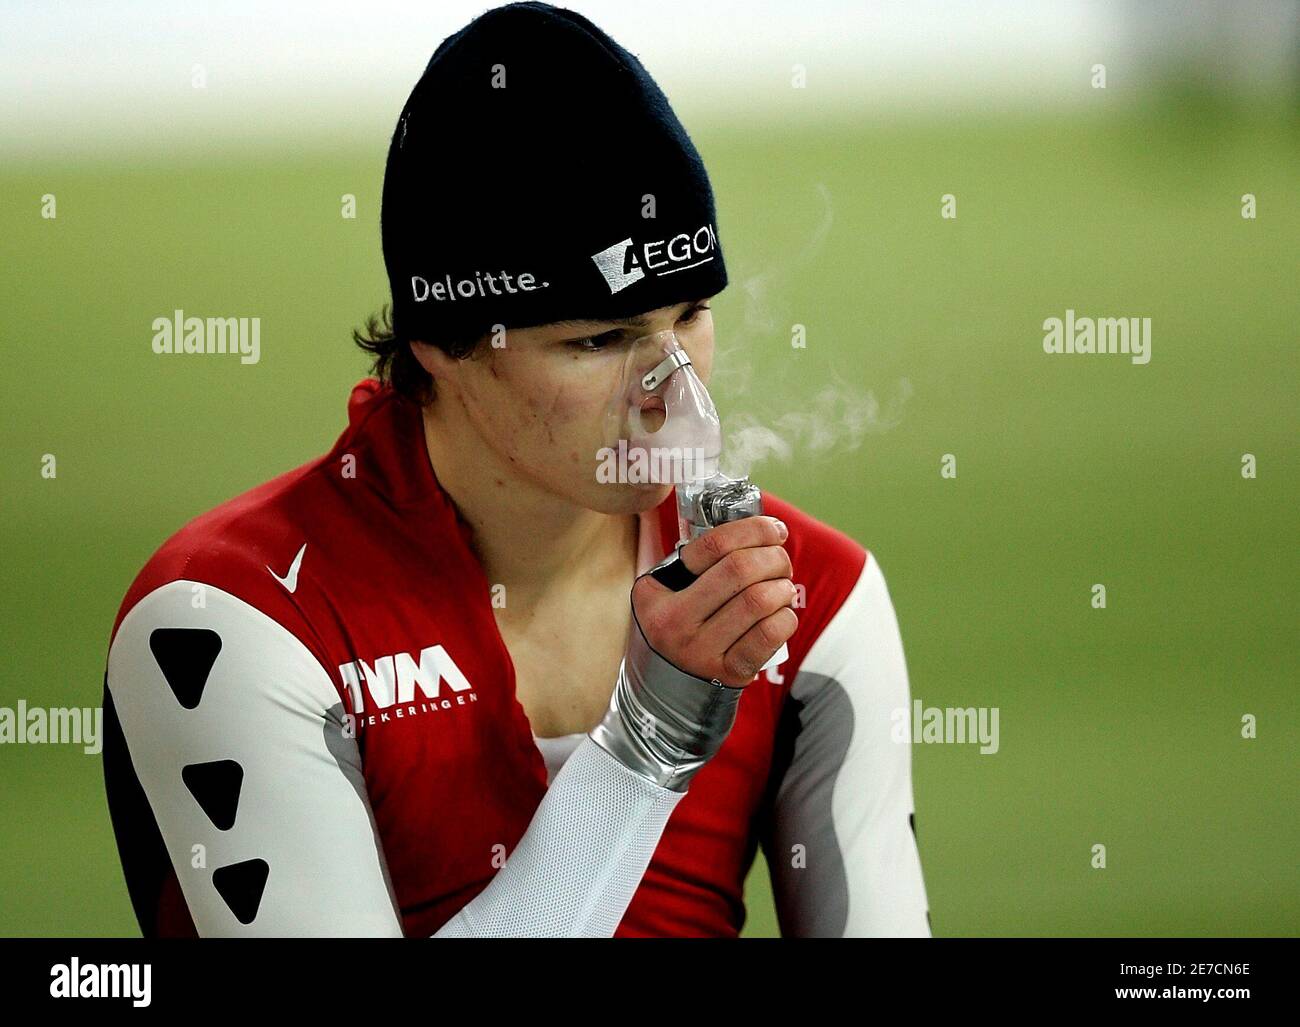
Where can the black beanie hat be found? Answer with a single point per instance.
(537, 173)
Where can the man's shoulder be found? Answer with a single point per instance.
(252, 546)
(245, 546)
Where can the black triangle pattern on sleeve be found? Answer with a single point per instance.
(145, 863)
(215, 787)
(242, 885)
(185, 656)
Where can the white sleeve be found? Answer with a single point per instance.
(236, 735)
(841, 842)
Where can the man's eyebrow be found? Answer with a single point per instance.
(630, 322)
(627, 322)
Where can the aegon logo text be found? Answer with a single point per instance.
(393, 680)
(625, 263)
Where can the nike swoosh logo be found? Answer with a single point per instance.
(290, 580)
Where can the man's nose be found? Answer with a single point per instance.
(653, 349)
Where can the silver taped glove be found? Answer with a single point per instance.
(663, 723)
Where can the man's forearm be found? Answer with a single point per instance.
(576, 868)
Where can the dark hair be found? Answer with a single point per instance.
(395, 364)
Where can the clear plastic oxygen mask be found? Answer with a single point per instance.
(664, 428)
(661, 420)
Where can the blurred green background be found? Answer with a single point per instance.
(1118, 726)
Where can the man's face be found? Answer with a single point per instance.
(540, 401)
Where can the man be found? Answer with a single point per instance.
(401, 690)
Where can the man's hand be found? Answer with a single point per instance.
(730, 621)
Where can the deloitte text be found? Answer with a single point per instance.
(469, 288)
